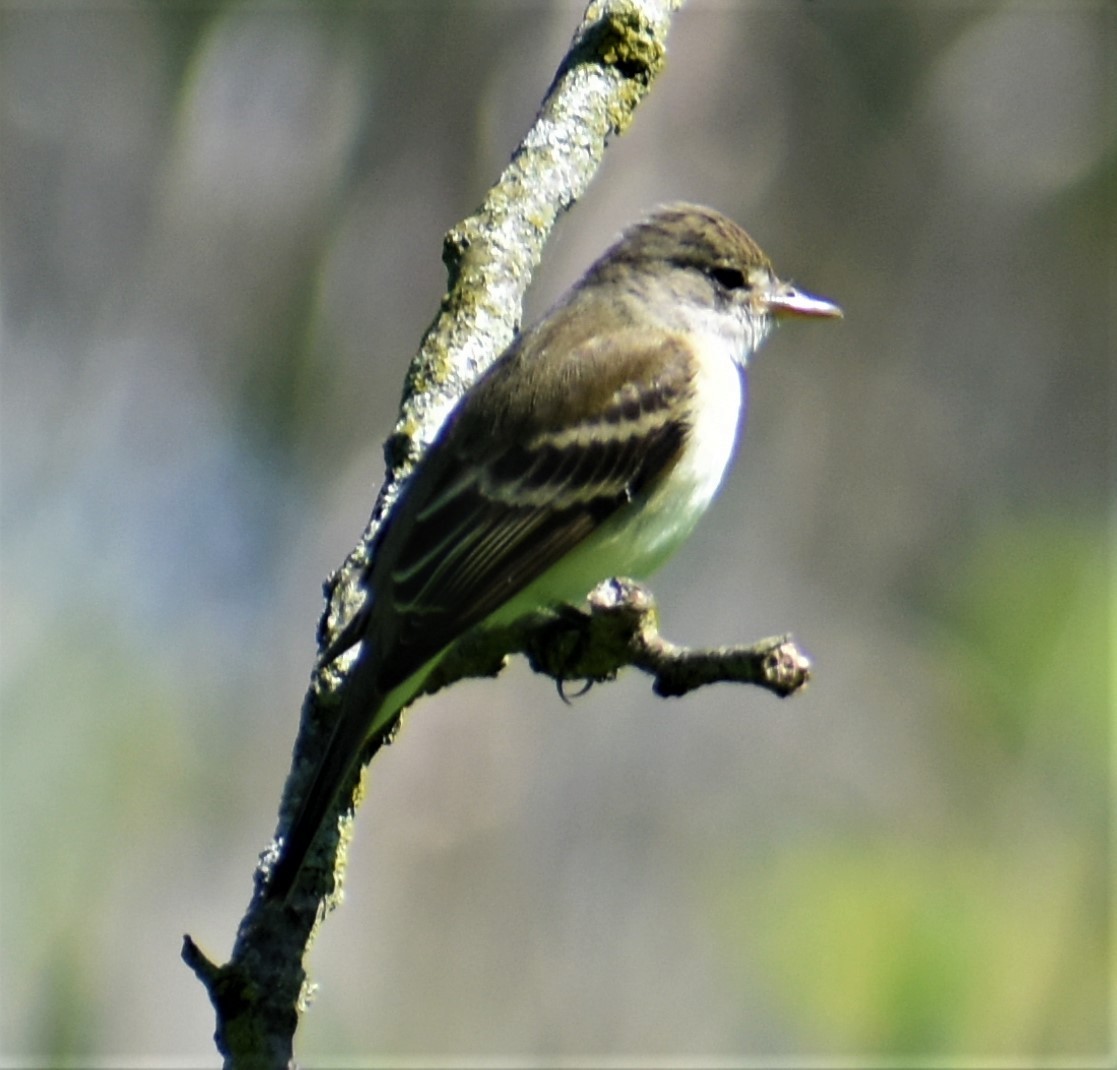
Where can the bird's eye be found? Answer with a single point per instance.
(729, 277)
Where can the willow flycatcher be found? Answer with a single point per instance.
(589, 449)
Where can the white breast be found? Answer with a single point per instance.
(679, 502)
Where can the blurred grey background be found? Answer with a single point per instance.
(221, 230)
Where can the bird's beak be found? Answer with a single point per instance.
(784, 300)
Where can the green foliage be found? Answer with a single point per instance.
(993, 942)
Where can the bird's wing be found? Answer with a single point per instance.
(496, 506)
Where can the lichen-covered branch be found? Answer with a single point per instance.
(615, 55)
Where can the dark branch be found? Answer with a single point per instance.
(618, 627)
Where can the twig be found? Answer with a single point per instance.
(620, 627)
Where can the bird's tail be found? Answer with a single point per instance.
(361, 709)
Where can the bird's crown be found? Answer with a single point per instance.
(688, 235)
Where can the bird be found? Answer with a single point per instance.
(589, 449)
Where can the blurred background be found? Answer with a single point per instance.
(221, 231)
